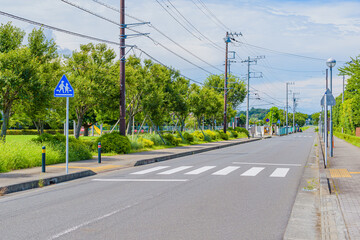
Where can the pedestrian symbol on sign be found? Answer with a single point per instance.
(64, 88)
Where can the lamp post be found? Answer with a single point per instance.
(331, 63)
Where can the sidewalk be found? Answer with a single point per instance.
(344, 171)
(24, 179)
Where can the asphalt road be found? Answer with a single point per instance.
(241, 192)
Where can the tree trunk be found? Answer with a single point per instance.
(78, 127)
(86, 130)
(5, 123)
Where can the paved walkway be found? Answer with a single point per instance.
(344, 169)
(33, 177)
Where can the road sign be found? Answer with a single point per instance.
(267, 120)
(278, 121)
(64, 88)
(330, 100)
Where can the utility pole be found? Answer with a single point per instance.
(228, 38)
(287, 106)
(249, 61)
(122, 69)
(294, 111)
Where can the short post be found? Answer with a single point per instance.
(99, 152)
(43, 159)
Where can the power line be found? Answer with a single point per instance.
(207, 15)
(280, 52)
(56, 29)
(154, 41)
(212, 14)
(159, 31)
(88, 37)
(182, 16)
(178, 21)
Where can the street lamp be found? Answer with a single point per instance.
(331, 63)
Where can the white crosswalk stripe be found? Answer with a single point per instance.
(175, 170)
(280, 172)
(225, 171)
(252, 172)
(150, 170)
(200, 170)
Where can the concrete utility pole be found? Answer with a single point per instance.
(228, 38)
(287, 106)
(122, 69)
(249, 61)
(294, 103)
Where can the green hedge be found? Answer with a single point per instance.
(35, 132)
(349, 138)
(114, 142)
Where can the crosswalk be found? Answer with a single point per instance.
(278, 172)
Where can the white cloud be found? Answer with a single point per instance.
(313, 28)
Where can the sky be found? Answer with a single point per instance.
(296, 38)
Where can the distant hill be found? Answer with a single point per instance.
(257, 113)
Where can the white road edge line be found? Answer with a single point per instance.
(269, 164)
(89, 222)
(140, 180)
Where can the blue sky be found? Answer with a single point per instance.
(316, 29)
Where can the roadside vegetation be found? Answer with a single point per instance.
(24, 151)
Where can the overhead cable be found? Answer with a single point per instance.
(159, 31)
(154, 41)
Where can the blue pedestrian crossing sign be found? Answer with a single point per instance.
(64, 88)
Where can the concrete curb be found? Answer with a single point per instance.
(46, 182)
(165, 158)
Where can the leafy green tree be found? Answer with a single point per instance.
(88, 73)
(236, 88)
(315, 118)
(48, 69)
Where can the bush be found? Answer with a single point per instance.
(223, 135)
(211, 134)
(234, 134)
(199, 135)
(242, 130)
(155, 138)
(349, 138)
(171, 140)
(35, 132)
(188, 137)
(146, 143)
(230, 129)
(77, 149)
(114, 142)
(136, 145)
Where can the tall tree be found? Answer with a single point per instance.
(18, 78)
(88, 73)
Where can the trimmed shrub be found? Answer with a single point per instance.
(155, 138)
(77, 149)
(234, 134)
(114, 142)
(188, 137)
(171, 140)
(242, 130)
(230, 129)
(146, 143)
(199, 135)
(211, 134)
(35, 132)
(224, 136)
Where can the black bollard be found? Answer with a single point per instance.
(99, 152)
(43, 159)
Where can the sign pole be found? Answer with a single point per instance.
(67, 135)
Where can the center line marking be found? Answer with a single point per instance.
(269, 164)
(140, 180)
